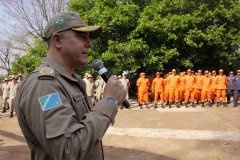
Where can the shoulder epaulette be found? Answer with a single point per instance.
(46, 73)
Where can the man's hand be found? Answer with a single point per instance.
(114, 89)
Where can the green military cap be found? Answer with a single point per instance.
(70, 20)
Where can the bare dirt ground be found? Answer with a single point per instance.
(207, 133)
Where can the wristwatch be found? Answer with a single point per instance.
(110, 100)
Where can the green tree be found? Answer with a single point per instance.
(31, 60)
(144, 35)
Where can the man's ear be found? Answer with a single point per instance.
(56, 40)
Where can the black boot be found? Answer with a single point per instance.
(180, 102)
(155, 106)
(167, 103)
(162, 106)
(11, 115)
(225, 104)
(178, 105)
(217, 104)
(212, 101)
(202, 104)
(197, 101)
(209, 104)
(193, 104)
(170, 104)
(4, 110)
(147, 106)
(186, 105)
(140, 106)
(7, 108)
(151, 99)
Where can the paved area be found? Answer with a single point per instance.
(208, 133)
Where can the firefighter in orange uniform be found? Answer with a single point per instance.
(189, 88)
(158, 87)
(173, 82)
(143, 83)
(213, 85)
(182, 87)
(140, 75)
(198, 85)
(221, 88)
(206, 90)
(152, 92)
(166, 89)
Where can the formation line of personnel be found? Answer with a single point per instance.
(9, 90)
(189, 87)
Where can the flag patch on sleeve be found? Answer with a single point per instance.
(50, 101)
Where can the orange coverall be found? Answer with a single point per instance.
(158, 87)
(221, 87)
(143, 84)
(198, 86)
(138, 88)
(166, 89)
(182, 86)
(173, 82)
(189, 88)
(213, 86)
(151, 80)
(206, 90)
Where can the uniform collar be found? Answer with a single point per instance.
(59, 68)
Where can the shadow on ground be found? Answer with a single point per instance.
(21, 152)
(115, 153)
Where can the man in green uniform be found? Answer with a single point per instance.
(53, 110)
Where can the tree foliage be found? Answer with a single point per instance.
(144, 35)
(28, 62)
(5, 55)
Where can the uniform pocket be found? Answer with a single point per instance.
(80, 105)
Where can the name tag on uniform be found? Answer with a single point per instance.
(78, 96)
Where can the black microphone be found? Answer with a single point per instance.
(103, 72)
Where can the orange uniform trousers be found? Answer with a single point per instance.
(223, 93)
(157, 94)
(138, 94)
(189, 93)
(206, 92)
(197, 93)
(174, 94)
(166, 90)
(181, 93)
(213, 91)
(143, 96)
(166, 95)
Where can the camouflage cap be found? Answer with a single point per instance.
(70, 20)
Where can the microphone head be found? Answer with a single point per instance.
(97, 64)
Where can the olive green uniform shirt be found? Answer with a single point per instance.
(64, 128)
